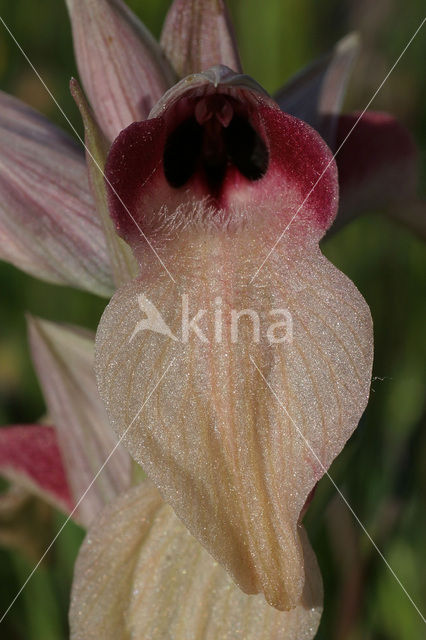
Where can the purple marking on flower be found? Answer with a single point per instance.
(228, 147)
(31, 458)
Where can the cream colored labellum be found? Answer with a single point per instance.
(141, 575)
(238, 432)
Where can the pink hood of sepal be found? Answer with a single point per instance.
(377, 163)
(30, 457)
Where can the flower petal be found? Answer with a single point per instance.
(63, 358)
(140, 574)
(378, 165)
(214, 79)
(197, 35)
(30, 457)
(123, 69)
(197, 429)
(316, 93)
(235, 466)
(48, 224)
(124, 266)
(297, 187)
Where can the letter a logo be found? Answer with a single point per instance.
(153, 321)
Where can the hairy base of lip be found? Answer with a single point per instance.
(286, 173)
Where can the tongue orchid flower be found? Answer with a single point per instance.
(240, 429)
(233, 360)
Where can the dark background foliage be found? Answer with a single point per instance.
(381, 471)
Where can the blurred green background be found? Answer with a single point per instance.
(382, 471)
